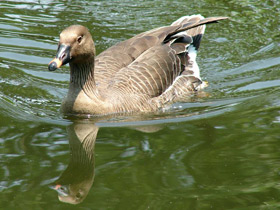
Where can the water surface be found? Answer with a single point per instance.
(220, 151)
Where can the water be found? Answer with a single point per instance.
(221, 151)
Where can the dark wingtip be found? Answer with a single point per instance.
(190, 25)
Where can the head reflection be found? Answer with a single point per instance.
(75, 182)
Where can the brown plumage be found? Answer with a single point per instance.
(141, 74)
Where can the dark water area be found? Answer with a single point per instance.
(220, 151)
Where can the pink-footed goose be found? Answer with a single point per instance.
(141, 74)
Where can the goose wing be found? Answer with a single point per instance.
(121, 55)
(153, 71)
(112, 60)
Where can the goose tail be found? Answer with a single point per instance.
(196, 35)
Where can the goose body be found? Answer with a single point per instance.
(141, 74)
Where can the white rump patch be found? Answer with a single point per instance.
(192, 53)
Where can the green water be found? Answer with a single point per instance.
(218, 152)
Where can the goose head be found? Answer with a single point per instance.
(75, 46)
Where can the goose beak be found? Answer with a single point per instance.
(62, 190)
(62, 57)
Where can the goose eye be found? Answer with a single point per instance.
(78, 195)
(79, 39)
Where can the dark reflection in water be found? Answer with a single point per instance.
(75, 182)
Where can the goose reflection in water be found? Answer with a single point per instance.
(75, 182)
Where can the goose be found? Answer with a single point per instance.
(139, 75)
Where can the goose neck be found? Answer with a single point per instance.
(82, 73)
